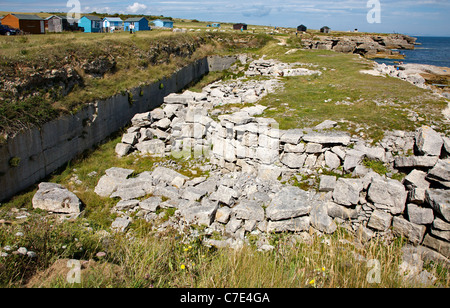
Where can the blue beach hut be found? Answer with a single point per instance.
(140, 24)
(163, 23)
(90, 24)
(115, 22)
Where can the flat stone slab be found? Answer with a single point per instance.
(55, 198)
(327, 138)
(290, 202)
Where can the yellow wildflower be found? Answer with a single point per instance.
(183, 266)
(312, 281)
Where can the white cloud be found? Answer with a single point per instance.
(136, 7)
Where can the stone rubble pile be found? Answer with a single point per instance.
(248, 155)
(274, 68)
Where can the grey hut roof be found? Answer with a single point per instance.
(325, 27)
(27, 17)
(93, 18)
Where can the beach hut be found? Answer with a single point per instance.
(56, 23)
(215, 25)
(90, 24)
(140, 24)
(240, 26)
(302, 28)
(163, 23)
(27, 23)
(325, 29)
(112, 22)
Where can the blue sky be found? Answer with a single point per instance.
(418, 17)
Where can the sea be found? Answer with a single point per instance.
(432, 51)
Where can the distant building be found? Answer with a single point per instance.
(140, 24)
(115, 22)
(325, 29)
(90, 24)
(27, 23)
(163, 23)
(56, 23)
(302, 28)
(215, 25)
(240, 26)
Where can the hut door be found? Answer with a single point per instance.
(42, 27)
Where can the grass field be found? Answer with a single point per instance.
(144, 258)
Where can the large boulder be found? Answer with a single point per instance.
(346, 191)
(439, 200)
(320, 219)
(428, 141)
(57, 199)
(388, 195)
(290, 202)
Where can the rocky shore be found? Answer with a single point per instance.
(366, 45)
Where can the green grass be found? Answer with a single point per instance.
(343, 94)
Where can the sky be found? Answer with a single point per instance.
(416, 17)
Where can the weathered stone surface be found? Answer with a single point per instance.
(225, 195)
(297, 224)
(200, 214)
(165, 175)
(293, 160)
(439, 200)
(388, 195)
(416, 195)
(380, 220)
(352, 159)
(130, 138)
(415, 161)
(327, 183)
(439, 245)
(122, 149)
(128, 192)
(142, 119)
(332, 160)
(119, 173)
(151, 204)
(153, 147)
(120, 224)
(347, 191)
(428, 141)
(290, 202)
(55, 198)
(193, 194)
(420, 215)
(441, 171)
(320, 219)
(441, 224)
(249, 210)
(292, 136)
(412, 231)
(107, 185)
(327, 138)
(339, 211)
(223, 214)
(126, 205)
(416, 179)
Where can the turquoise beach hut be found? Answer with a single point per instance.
(90, 24)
